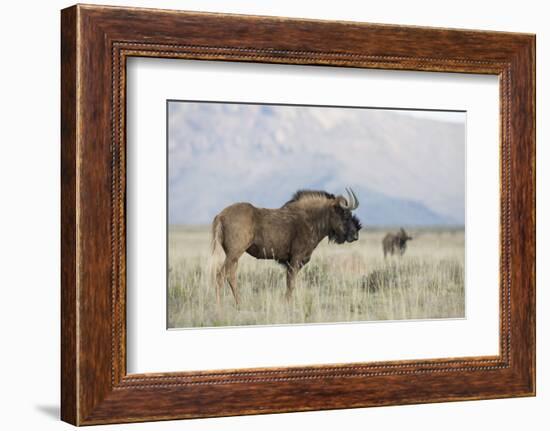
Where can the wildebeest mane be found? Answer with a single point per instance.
(305, 194)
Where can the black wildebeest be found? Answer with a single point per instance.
(287, 235)
(395, 242)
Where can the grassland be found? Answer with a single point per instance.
(342, 283)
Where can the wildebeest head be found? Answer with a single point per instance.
(403, 237)
(345, 226)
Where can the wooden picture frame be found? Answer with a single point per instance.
(95, 43)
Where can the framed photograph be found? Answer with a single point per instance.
(265, 214)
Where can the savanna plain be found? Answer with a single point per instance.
(341, 283)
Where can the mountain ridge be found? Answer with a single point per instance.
(405, 170)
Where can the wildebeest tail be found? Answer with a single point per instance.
(217, 234)
(216, 256)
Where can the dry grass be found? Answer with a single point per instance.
(342, 283)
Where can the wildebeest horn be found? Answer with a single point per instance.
(355, 200)
(351, 202)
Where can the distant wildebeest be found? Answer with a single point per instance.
(395, 242)
(287, 235)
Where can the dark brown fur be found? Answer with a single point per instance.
(395, 242)
(287, 235)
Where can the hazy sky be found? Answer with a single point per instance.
(406, 166)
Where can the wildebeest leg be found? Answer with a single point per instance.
(220, 280)
(228, 271)
(292, 270)
(231, 274)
